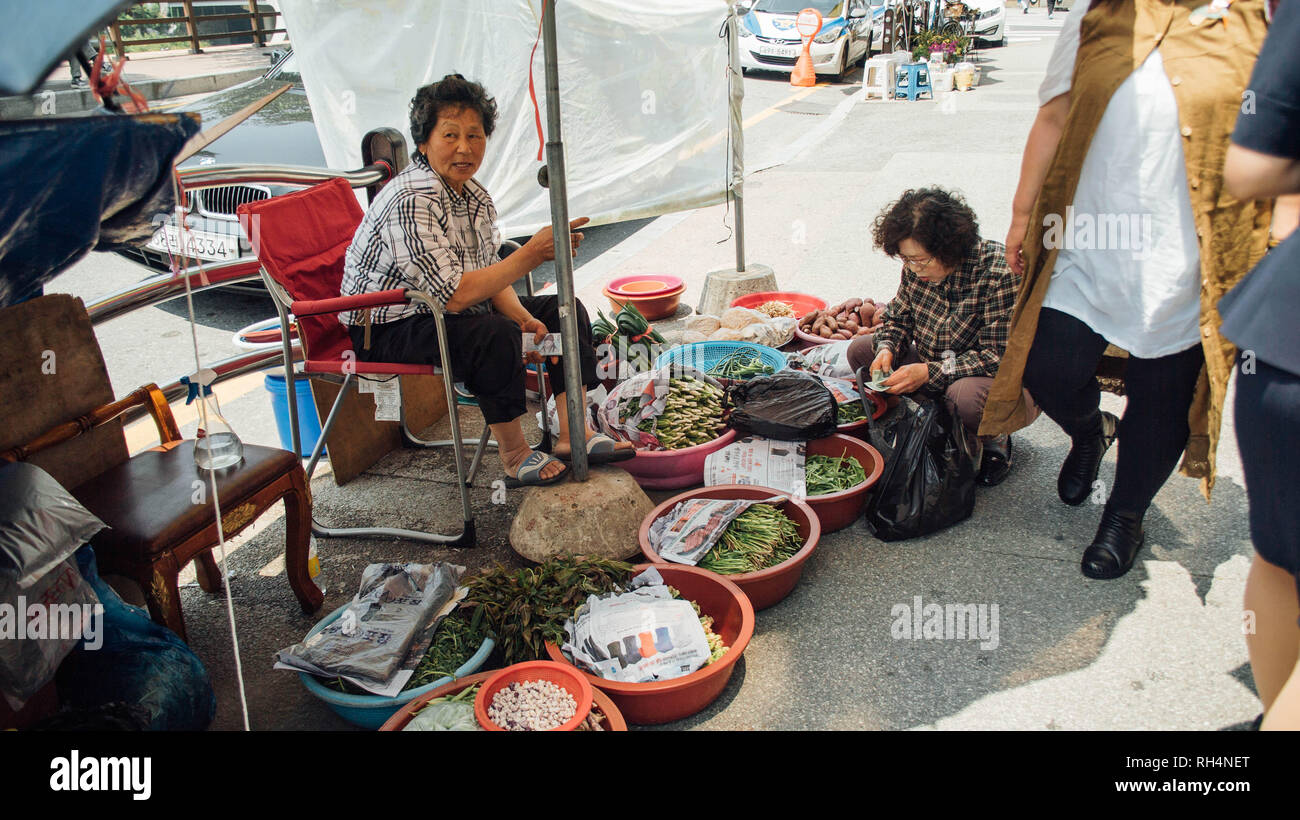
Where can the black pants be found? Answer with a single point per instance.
(486, 352)
(1061, 375)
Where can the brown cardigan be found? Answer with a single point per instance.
(1209, 68)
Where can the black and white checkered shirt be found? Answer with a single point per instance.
(419, 234)
(965, 319)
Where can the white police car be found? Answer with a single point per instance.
(850, 29)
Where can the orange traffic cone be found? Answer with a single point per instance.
(808, 23)
(803, 73)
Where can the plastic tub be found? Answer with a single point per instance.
(859, 429)
(838, 510)
(673, 469)
(308, 421)
(601, 704)
(669, 700)
(704, 355)
(370, 711)
(768, 586)
(561, 674)
(644, 285)
(800, 303)
(658, 306)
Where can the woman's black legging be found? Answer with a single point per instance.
(1061, 375)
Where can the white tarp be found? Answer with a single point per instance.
(643, 88)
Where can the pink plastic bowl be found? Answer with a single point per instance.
(674, 469)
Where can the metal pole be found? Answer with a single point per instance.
(573, 389)
(736, 87)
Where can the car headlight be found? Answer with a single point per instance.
(984, 15)
(829, 36)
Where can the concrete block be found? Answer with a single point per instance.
(721, 287)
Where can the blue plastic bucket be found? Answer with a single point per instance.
(308, 422)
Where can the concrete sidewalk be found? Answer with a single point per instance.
(156, 75)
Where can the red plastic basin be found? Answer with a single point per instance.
(673, 469)
(858, 429)
(838, 510)
(657, 306)
(600, 702)
(800, 303)
(767, 586)
(642, 285)
(669, 700)
(562, 675)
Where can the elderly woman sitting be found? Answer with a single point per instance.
(945, 331)
(433, 229)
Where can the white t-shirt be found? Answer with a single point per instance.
(1129, 265)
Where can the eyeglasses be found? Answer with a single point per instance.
(913, 265)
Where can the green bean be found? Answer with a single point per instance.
(827, 474)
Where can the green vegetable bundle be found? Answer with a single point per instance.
(741, 364)
(525, 608)
(456, 639)
(849, 412)
(692, 414)
(760, 537)
(827, 474)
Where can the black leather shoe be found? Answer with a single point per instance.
(996, 464)
(1080, 468)
(1118, 539)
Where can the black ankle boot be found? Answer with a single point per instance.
(1080, 468)
(1116, 545)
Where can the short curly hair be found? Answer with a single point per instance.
(452, 91)
(939, 220)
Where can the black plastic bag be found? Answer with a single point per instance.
(788, 405)
(930, 467)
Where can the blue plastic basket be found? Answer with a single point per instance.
(372, 711)
(704, 355)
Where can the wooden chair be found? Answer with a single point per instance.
(157, 503)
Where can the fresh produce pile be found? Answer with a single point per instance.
(760, 537)
(449, 713)
(741, 364)
(828, 474)
(692, 414)
(532, 706)
(525, 608)
(456, 639)
(775, 309)
(850, 318)
(849, 412)
(630, 335)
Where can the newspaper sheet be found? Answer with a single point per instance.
(760, 461)
(640, 635)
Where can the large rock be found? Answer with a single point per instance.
(600, 516)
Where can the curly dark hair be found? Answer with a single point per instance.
(452, 91)
(939, 220)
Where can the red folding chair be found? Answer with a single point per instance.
(301, 238)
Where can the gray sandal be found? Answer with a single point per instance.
(530, 472)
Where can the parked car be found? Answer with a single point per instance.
(850, 29)
(281, 133)
(990, 25)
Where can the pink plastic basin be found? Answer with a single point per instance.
(674, 469)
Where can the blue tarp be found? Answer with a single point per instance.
(38, 36)
(69, 185)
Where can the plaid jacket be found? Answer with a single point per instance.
(419, 234)
(958, 327)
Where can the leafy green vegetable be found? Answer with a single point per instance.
(827, 474)
(760, 537)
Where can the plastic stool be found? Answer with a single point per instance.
(912, 80)
(878, 75)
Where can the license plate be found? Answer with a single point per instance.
(198, 244)
(778, 51)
